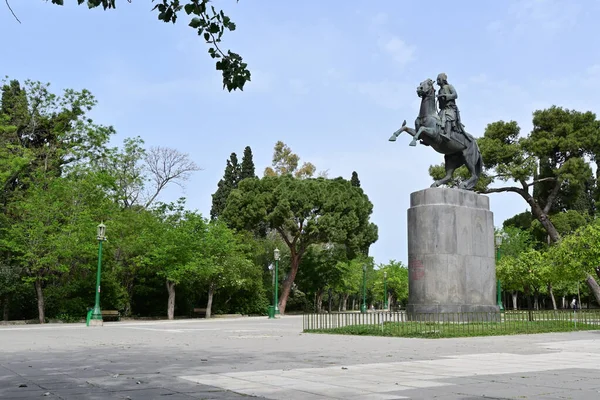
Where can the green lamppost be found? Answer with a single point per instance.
(96, 318)
(363, 307)
(275, 294)
(385, 293)
(499, 238)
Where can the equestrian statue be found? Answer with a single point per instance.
(444, 131)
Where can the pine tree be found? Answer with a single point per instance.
(354, 180)
(247, 169)
(231, 177)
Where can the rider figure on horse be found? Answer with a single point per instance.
(448, 113)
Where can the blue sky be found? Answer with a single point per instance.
(332, 79)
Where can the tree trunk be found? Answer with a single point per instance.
(40, 300)
(211, 292)
(514, 299)
(318, 301)
(5, 308)
(286, 287)
(353, 303)
(594, 288)
(329, 300)
(345, 301)
(171, 301)
(551, 293)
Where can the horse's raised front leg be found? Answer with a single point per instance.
(398, 132)
(418, 134)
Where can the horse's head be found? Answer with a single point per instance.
(425, 88)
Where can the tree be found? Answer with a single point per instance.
(209, 23)
(247, 168)
(397, 282)
(303, 212)
(229, 182)
(528, 272)
(47, 138)
(285, 162)
(223, 262)
(354, 180)
(577, 256)
(323, 267)
(56, 225)
(176, 246)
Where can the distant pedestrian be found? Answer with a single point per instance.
(574, 304)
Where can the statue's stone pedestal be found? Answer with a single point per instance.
(451, 256)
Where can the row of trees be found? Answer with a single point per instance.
(60, 179)
(552, 170)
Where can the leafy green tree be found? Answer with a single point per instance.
(577, 256)
(397, 282)
(177, 240)
(303, 212)
(224, 262)
(230, 180)
(55, 219)
(285, 162)
(323, 267)
(209, 23)
(247, 167)
(354, 180)
(527, 272)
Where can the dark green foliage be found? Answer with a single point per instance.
(209, 23)
(247, 168)
(303, 212)
(522, 221)
(230, 180)
(354, 180)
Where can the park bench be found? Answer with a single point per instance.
(200, 311)
(111, 314)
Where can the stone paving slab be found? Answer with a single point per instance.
(272, 359)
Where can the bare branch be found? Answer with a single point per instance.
(11, 11)
(285, 238)
(167, 165)
(503, 189)
(541, 180)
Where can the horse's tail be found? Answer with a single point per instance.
(473, 157)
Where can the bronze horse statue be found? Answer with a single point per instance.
(460, 149)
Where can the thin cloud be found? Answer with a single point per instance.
(401, 52)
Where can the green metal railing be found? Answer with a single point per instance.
(452, 324)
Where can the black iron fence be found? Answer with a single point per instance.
(401, 323)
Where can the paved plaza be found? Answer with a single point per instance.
(256, 357)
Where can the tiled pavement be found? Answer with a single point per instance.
(239, 358)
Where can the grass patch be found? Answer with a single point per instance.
(451, 330)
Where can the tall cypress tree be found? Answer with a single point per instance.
(247, 170)
(231, 177)
(354, 180)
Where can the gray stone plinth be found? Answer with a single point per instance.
(451, 253)
(96, 322)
